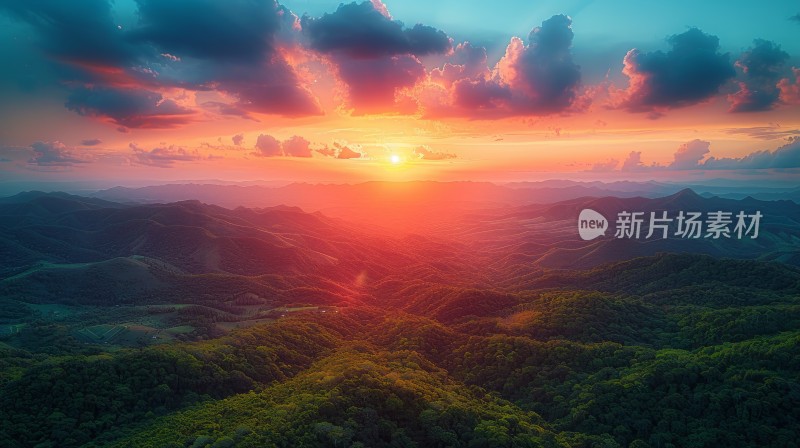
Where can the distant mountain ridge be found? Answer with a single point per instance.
(201, 238)
(422, 205)
(546, 235)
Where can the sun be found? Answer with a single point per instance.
(395, 159)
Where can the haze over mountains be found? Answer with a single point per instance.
(401, 206)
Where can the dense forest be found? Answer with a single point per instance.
(668, 350)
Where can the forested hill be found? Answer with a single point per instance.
(114, 331)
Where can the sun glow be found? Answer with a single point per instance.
(395, 159)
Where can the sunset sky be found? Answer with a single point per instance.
(136, 91)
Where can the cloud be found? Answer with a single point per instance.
(76, 31)
(348, 153)
(426, 153)
(537, 78)
(91, 142)
(761, 66)
(240, 51)
(271, 87)
(482, 94)
(790, 91)
(375, 57)
(787, 156)
(268, 146)
(466, 62)
(54, 154)
(326, 150)
(771, 132)
(341, 150)
(686, 157)
(543, 71)
(373, 84)
(633, 162)
(362, 31)
(238, 139)
(238, 48)
(690, 154)
(163, 157)
(236, 30)
(381, 8)
(692, 71)
(608, 165)
(795, 18)
(297, 146)
(131, 108)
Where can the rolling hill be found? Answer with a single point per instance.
(187, 324)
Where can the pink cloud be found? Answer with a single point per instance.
(164, 156)
(426, 153)
(790, 91)
(537, 78)
(297, 146)
(268, 146)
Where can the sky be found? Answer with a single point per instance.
(139, 91)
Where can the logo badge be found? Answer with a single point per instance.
(591, 224)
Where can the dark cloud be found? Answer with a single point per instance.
(360, 31)
(91, 142)
(761, 68)
(375, 56)
(209, 29)
(271, 87)
(537, 78)
(297, 146)
(373, 84)
(163, 157)
(238, 139)
(78, 31)
(795, 18)
(235, 47)
(466, 62)
(227, 109)
(236, 53)
(692, 71)
(426, 153)
(53, 154)
(132, 108)
(544, 70)
(481, 94)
